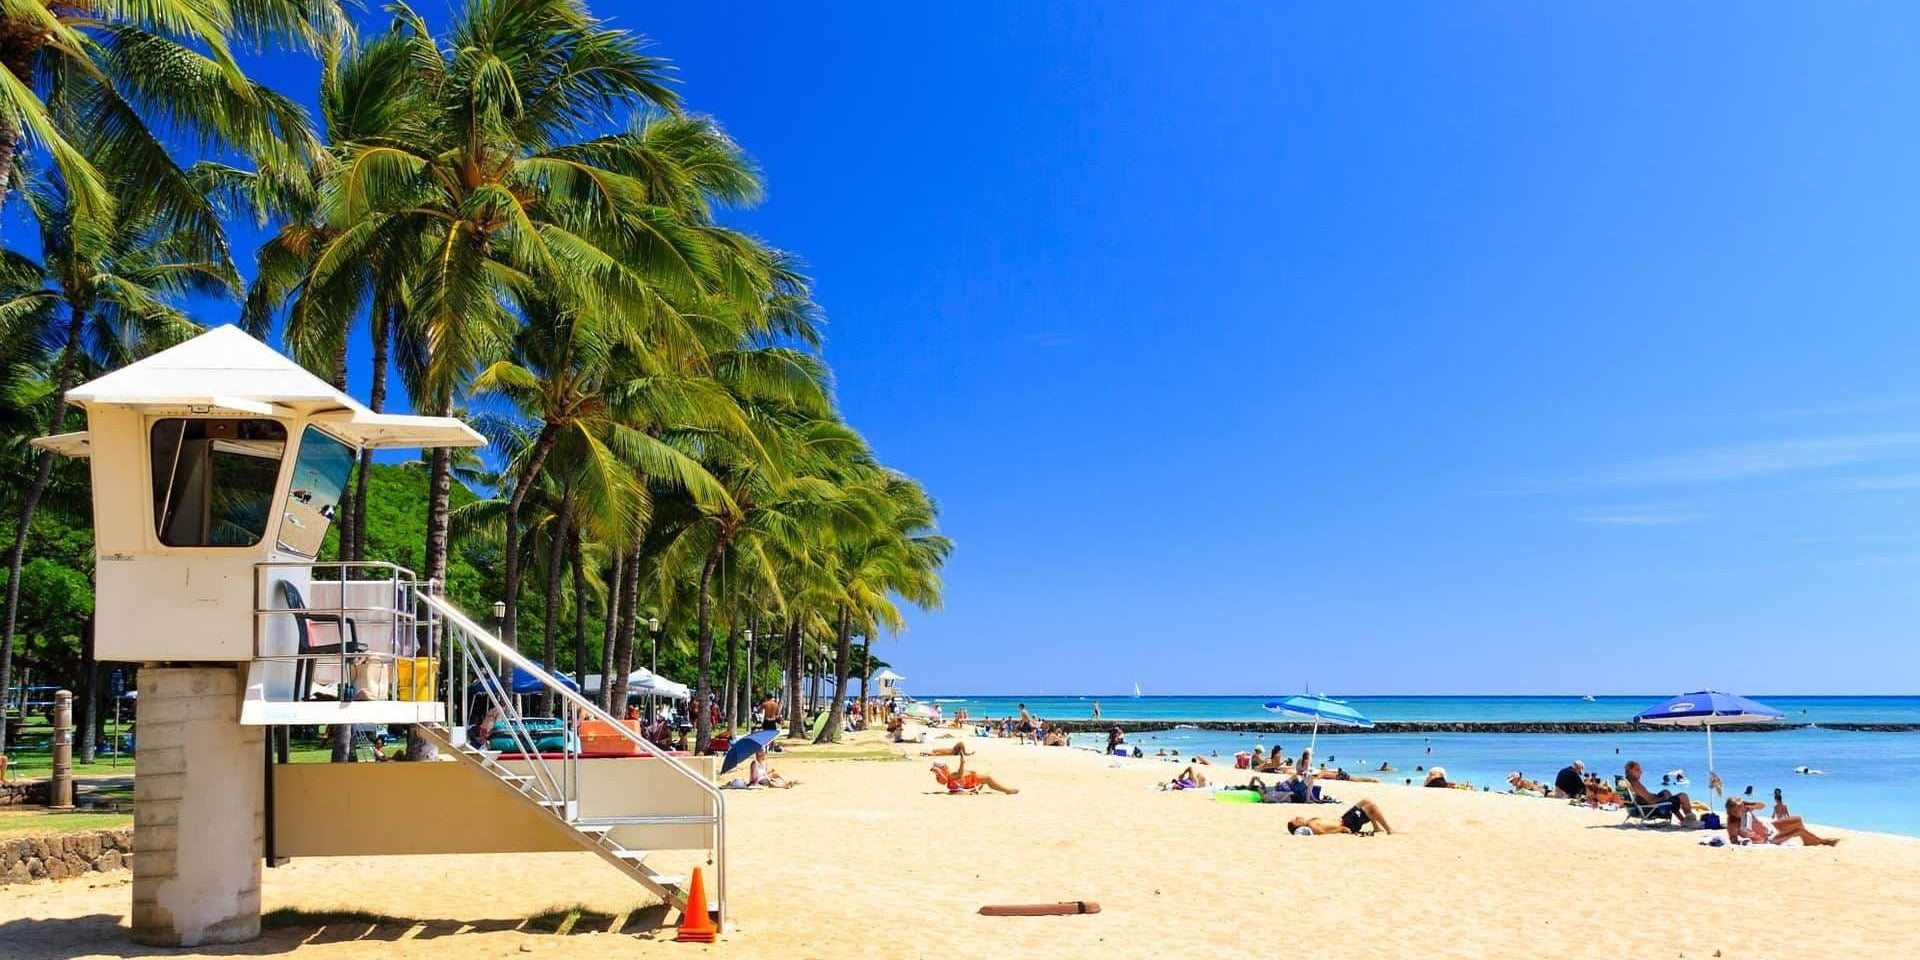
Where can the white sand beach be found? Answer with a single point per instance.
(869, 859)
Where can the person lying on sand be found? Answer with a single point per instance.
(1682, 804)
(1520, 784)
(1287, 790)
(1188, 779)
(1340, 773)
(961, 780)
(1437, 777)
(761, 775)
(1744, 825)
(1356, 817)
(959, 749)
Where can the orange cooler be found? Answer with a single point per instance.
(600, 738)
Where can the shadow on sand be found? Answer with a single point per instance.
(68, 938)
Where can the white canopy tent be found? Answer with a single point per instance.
(647, 683)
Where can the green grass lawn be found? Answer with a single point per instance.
(37, 764)
(27, 824)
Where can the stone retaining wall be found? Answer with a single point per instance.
(61, 855)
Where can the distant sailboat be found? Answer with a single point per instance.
(1136, 688)
(1588, 698)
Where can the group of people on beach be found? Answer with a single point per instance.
(1742, 821)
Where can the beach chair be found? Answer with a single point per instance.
(1646, 813)
(303, 626)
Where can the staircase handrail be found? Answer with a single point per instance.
(494, 645)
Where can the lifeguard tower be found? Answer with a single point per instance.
(217, 467)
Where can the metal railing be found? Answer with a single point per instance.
(475, 685)
(396, 628)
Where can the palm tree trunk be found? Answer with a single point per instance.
(866, 668)
(731, 695)
(843, 661)
(703, 681)
(342, 742)
(536, 459)
(43, 472)
(623, 638)
(349, 536)
(377, 402)
(577, 558)
(556, 568)
(89, 694)
(797, 721)
(615, 577)
(439, 492)
(20, 44)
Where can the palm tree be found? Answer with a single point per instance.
(100, 292)
(124, 74)
(900, 557)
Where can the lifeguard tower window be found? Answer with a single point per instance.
(213, 479)
(319, 474)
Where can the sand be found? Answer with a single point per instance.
(865, 859)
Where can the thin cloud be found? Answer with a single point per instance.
(1640, 518)
(1744, 461)
(1896, 481)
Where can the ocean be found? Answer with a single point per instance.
(1867, 780)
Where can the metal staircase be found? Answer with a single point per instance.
(478, 702)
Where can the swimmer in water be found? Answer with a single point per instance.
(1810, 771)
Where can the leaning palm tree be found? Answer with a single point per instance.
(100, 292)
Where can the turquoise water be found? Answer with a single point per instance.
(1869, 783)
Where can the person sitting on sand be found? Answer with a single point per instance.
(1196, 758)
(1288, 790)
(1570, 783)
(961, 780)
(1257, 759)
(1744, 825)
(1682, 804)
(1353, 821)
(1437, 777)
(1055, 738)
(761, 775)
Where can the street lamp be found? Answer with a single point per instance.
(653, 666)
(499, 623)
(743, 692)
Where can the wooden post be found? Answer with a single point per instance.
(62, 798)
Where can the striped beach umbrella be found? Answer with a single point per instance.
(1708, 708)
(1320, 709)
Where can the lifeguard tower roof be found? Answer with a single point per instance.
(225, 371)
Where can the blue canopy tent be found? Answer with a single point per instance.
(1321, 709)
(1707, 708)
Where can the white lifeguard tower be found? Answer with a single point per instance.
(217, 466)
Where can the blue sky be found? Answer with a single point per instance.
(1451, 348)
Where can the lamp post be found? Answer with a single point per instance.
(499, 621)
(653, 662)
(743, 692)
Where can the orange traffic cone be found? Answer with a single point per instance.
(695, 925)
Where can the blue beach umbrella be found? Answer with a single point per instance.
(1707, 708)
(1320, 709)
(747, 746)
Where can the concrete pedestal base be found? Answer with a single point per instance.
(199, 806)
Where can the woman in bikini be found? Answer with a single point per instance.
(961, 780)
(1744, 825)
